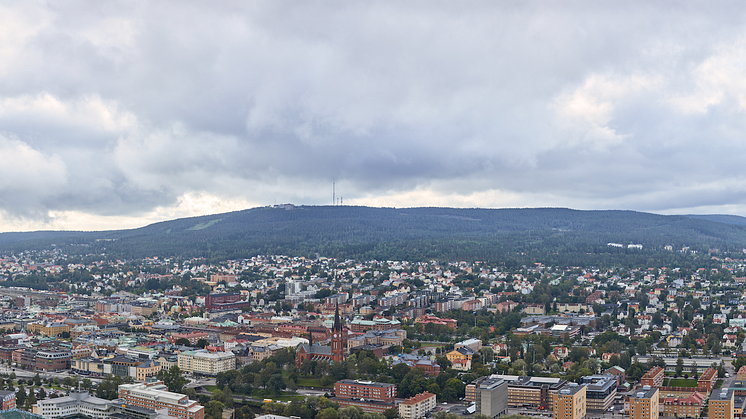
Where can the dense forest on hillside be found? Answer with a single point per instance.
(548, 235)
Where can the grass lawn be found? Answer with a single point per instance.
(719, 383)
(210, 388)
(312, 382)
(307, 381)
(679, 382)
(287, 397)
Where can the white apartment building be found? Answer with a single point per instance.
(206, 363)
(417, 406)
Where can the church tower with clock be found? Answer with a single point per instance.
(338, 339)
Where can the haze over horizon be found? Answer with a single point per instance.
(120, 114)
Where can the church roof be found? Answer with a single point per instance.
(316, 349)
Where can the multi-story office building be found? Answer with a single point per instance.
(570, 402)
(368, 395)
(530, 391)
(491, 397)
(155, 396)
(7, 400)
(645, 404)
(653, 378)
(76, 404)
(600, 391)
(206, 363)
(722, 404)
(53, 360)
(417, 406)
(80, 404)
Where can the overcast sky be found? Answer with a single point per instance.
(119, 114)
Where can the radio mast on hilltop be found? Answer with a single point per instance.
(334, 194)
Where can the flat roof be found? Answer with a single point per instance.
(365, 383)
(645, 394)
(722, 394)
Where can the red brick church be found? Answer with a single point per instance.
(326, 354)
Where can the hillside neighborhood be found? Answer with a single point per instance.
(323, 339)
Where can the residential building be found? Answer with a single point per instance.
(461, 358)
(368, 395)
(684, 407)
(417, 406)
(156, 396)
(722, 404)
(48, 329)
(707, 380)
(645, 404)
(389, 337)
(427, 365)
(741, 374)
(425, 320)
(534, 309)
(192, 337)
(149, 368)
(205, 362)
(474, 344)
(653, 378)
(225, 300)
(569, 403)
(491, 397)
(380, 323)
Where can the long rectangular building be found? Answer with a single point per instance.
(368, 395)
(205, 362)
(156, 396)
(530, 391)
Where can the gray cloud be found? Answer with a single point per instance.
(117, 109)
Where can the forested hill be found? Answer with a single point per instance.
(550, 235)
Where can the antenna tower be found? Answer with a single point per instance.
(334, 193)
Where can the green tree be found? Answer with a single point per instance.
(30, 400)
(276, 383)
(328, 413)
(351, 412)
(214, 410)
(172, 378)
(183, 342)
(20, 396)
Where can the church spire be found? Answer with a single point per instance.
(337, 322)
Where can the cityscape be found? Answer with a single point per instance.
(316, 338)
(376, 209)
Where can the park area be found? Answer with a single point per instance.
(679, 382)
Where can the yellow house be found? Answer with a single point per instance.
(48, 329)
(461, 358)
(147, 369)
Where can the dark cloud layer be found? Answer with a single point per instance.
(124, 109)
